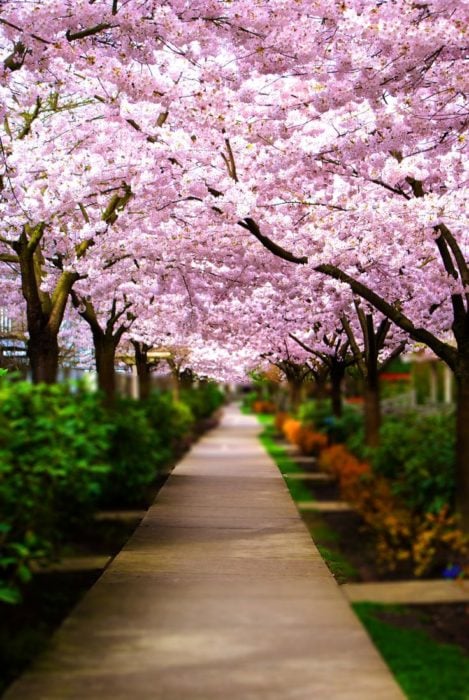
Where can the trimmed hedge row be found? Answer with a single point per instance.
(63, 455)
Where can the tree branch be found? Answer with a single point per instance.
(88, 313)
(395, 353)
(456, 250)
(382, 332)
(230, 161)
(29, 119)
(59, 299)
(90, 31)
(35, 235)
(357, 354)
(9, 258)
(251, 226)
(443, 350)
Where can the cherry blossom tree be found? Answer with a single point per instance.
(359, 147)
(331, 136)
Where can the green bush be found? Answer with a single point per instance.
(146, 436)
(203, 400)
(347, 428)
(172, 423)
(132, 455)
(53, 444)
(315, 413)
(62, 454)
(248, 400)
(417, 455)
(416, 452)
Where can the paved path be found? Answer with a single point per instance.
(220, 594)
(409, 592)
(324, 506)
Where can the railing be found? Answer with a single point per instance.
(407, 401)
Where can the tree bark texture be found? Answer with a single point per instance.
(372, 413)
(143, 370)
(462, 447)
(295, 391)
(105, 355)
(43, 353)
(337, 376)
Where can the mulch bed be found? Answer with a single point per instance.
(25, 629)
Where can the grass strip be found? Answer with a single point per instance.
(298, 490)
(340, 568)
(425, 668)
(322, 535)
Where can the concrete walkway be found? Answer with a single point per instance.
(414, 592)
(220, 593)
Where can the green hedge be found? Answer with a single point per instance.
(318, 414)
(62, 455)
(53, 459)
(204, 401)
(145, 437)
(417, 455)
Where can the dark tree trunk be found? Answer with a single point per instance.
(186, 379)
(176, 389)
(143, 370)
(44, 311)
(372, 411)
(462, 446)
(321, 388)
(105, 355)
(43, 353)
(337, 376)
(295, 388)
(144, 381)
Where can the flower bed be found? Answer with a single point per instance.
(411, 524)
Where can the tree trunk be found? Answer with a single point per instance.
(43, 353)
(186, 379)
(321, 393)
(462, 447)
(372, 412)
(144, 381)
(143, 370)
(295, 390)
(176, 388)
(105, 355)
(337, 376)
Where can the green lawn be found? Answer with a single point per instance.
(322, 535)
(286, 465)
(425, 669)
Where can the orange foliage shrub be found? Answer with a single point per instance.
(423, 540)
(291, 429)
(402, 538)
(280, 418)
(418, 540)
(349, 470)
(310, 442)
(260, 406)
